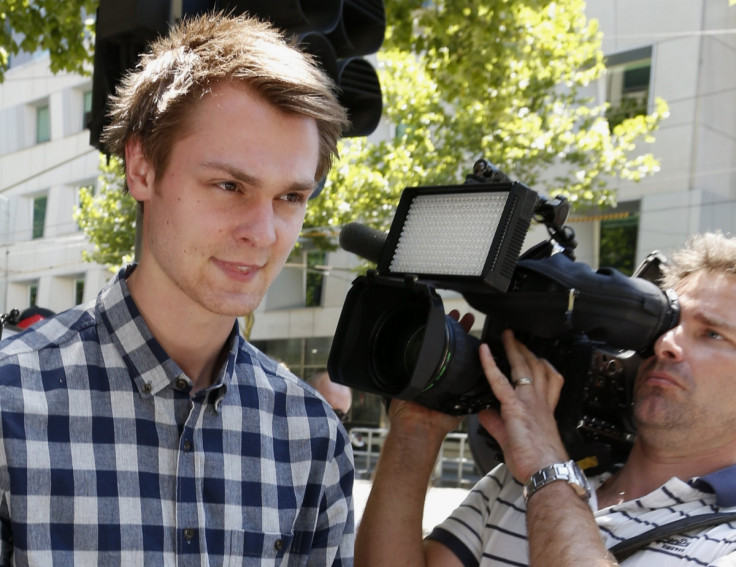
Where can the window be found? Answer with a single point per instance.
(32, 294)
(627, 84)
(618, 243)
(87, 108)
(78, 291)
(43, 124)
(286, 351)
(315, 277)
(5, 233)
(39, 216)
(302, 356)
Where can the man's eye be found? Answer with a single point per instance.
(714, 335)
(228, 185)
(294, 197)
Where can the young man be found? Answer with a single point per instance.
(682, 464)
(143, 429)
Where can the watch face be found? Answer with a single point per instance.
(579, 481)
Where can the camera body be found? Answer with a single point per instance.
(395, 340)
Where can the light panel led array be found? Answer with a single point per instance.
(459, 236)
(448, 234)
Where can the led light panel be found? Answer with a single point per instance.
(459, 236)
(448, 234)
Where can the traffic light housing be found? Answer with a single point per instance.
(338, 33)
(123, 30)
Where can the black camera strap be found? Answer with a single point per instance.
(627, 547)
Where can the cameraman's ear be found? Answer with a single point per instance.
(139, 173)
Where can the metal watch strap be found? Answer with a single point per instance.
(569, 472)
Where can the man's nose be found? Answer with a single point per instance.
(668, 345)
(257, 223)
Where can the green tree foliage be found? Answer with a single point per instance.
(500, 79)
(508, 80)
(108, 217)
(61, 27)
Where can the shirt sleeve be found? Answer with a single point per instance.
(464, 531)
(335, 536)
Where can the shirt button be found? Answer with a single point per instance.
(278, 545)
(182, 384)
(147, 388)
(189, 533)
(187, 445)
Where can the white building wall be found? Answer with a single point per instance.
(694, 70)
(57, 168)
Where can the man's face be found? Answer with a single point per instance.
(686, 393)
(221, 220)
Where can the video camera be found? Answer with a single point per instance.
(394, 339)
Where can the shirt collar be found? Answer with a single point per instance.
(722, 483)
(150, 366)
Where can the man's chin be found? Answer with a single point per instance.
(654, 411)
(235, 306)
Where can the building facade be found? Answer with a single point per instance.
(683, 51)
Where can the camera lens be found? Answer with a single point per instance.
(395, 344)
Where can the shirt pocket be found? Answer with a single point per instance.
(257, 548)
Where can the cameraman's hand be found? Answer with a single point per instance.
(426, 425)
(524, 426)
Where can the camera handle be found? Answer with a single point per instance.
(552, 212)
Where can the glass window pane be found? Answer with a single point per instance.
(78, 291)
(288, 351)
(87, 113)
(43, 124)
(618, 243)
(317, 350)
(39, 216)
(32, 295)
(627, 86)
(315, 277)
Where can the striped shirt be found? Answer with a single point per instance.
(106, 458)
(489, 527)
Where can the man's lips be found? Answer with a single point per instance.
(236, 269)
(660, 378)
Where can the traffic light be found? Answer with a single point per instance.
(122, 32)
(337, 32)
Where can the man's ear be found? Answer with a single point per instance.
(139, 173)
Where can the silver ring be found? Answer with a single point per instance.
(523, 381)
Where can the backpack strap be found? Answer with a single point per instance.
(627, 547)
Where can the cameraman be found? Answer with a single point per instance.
(682, 464)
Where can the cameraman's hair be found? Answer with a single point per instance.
(711, 251)
(155, 101)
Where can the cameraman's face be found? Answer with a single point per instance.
(686, 392)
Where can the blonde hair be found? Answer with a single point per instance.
(713, 252)
(154, 102)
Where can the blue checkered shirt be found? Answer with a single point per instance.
(106, 458)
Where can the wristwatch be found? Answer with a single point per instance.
(569, 472)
